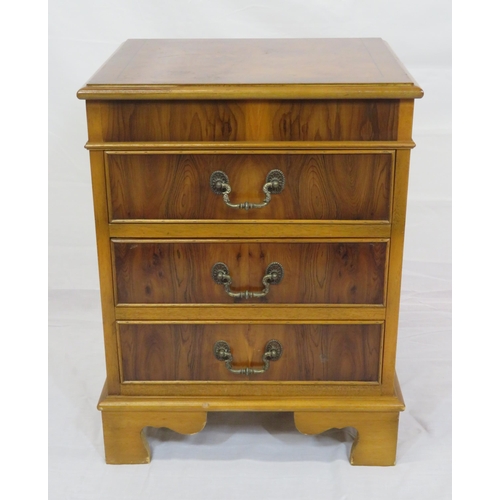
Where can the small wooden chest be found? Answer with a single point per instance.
(250, 201)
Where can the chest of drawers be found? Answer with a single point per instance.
(250, 201)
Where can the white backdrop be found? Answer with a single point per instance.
(248, 456)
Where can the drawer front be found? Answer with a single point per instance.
(159, 272)
(175, 352)
(316, 186)
(235, 120)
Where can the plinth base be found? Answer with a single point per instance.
(375, 419)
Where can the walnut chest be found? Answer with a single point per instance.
(250, 202)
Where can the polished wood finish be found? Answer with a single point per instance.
(249, 229)
(377, 433)
(396, 264)
(124, 438)
(234, 120)
(288, 147)
(249, 312)
(105, 267)
(374, 418)
(259, 68)
(250, 92)
(160, 352)
(326, 186)
(272, 61)
(357, 401)
(336, 116)
(314, 273)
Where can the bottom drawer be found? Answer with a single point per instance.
(156, 352)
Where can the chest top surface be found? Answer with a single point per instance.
(317, 68)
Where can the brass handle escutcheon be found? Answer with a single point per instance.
(273, 352)
(274, 275)
(275, 183)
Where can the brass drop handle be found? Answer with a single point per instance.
(274, 275)
(275, 183)
(273, 352)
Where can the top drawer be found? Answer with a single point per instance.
(325, 186)
(234, 120)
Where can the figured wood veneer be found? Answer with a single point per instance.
(257, 61)
(233, 120)
(314, 273)
(163, 352)
(256, 69)
(317, 186)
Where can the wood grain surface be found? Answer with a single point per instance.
(237, 120)
(317, 186)
(158, 352)
(252, 69)
(314, 273)
(252, 61)
(293, 228)
(377, 433)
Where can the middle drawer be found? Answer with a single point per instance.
(216, 272)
